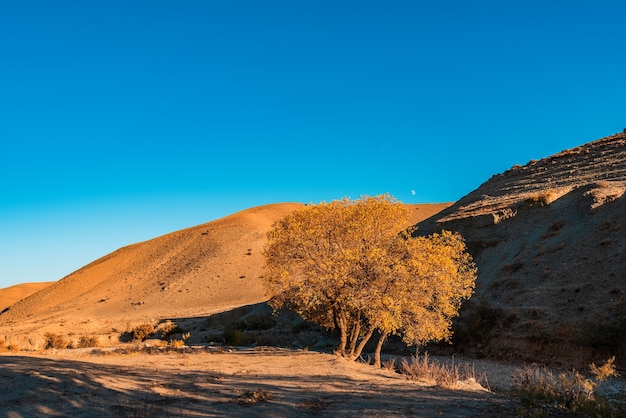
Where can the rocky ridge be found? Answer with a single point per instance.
(548, 239)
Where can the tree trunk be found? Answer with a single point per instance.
(343, 334)
(379, 348)
(361, 346)
(354, 337)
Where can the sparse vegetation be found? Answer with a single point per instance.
(88, 341)
(254, 396)
(143, 331)
(178, 343)
(351, 266)
(445, 375)
(168, 328)
(53, 340)
(539, 199)
(538, 388)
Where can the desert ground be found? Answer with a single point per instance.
(263, 382)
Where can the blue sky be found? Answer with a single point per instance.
(124, 120)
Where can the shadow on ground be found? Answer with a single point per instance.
(35, 386)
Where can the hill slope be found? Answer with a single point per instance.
(549, 242)
(196, 271)
(10, 295)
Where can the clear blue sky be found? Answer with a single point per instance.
(124, 120)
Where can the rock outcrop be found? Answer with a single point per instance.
(549, 240)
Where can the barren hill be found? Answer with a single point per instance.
(10, 295)
(196, 271)
(548, 238)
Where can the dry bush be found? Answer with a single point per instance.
(179, 343)
(254, 396)
(141, 332)
(55, 341)
(88, 341)
(605, 371)
(389, 364)
(169, 328)
(538, 387)
(539, 199)
(445, 375)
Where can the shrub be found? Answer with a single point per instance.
(169, 328)
(254, 396)
(88, 341)
(446, 375)
(55, 341)
(539, 199)
(141, 332)
(536, 386)
(179, 343)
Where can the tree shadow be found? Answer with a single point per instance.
(36, 386)
(256, 325)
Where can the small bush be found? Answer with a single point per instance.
(169, 328)
(445, 375)
(55, 341)
(254, 396)
(605, 371)
(537, 387)
(539, 199)
(179, 343)
(389, 364)
(88, 341)
(141, 332)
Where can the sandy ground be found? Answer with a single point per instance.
(241, 383)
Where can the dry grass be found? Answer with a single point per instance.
(254, 396)
(539, 389)
(88, 341)
(444, 374)
(141, 332)
(55, 341)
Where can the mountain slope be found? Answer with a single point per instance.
(204, 268)
(12, 294)
(193, 272)
(549, 242)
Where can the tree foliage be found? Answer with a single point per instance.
(353, 266)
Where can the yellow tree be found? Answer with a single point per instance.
(351, 265)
